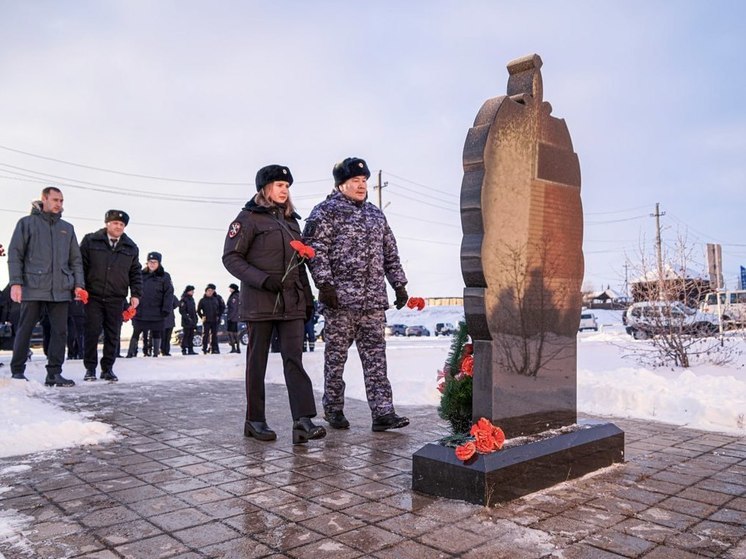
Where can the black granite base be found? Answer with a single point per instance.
(487, 479)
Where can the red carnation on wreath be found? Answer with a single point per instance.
(486, 438)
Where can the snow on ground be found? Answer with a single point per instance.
(610, 382)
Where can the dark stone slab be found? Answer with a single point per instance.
(488, 479)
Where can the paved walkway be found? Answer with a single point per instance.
(182, 482)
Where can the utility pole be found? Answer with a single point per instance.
(380, 186)
(659, 251)
(626, 280)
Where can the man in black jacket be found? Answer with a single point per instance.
(112, 268)
(188, 312)
(210, 309)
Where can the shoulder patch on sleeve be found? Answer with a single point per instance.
(234, 229)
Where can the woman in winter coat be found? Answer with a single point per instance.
(276, 294)
(189, 318)
(156, 303)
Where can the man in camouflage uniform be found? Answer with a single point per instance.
(355, 253)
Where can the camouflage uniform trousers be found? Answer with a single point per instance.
(366, 329)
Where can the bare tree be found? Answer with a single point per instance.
(666, 312)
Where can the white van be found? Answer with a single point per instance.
(732, 306)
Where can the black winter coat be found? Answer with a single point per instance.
(188, 311)
(257, 246)
(211, 308)
(111, 273)
(233, 305)
(157, 295)
(170, 320)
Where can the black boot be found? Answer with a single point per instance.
(337, 420)
(90, 375)
(259, 430)
(304, 430)
(390, 421)
(58, 380)
(19, 376)
(109, 375)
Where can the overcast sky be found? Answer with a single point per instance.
(653, 94)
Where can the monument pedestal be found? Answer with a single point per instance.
(487, 479)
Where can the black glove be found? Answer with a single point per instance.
(328, 296)
(272, 284)
(401, 297)
(309, 312)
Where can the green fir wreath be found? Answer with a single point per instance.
(457, 386)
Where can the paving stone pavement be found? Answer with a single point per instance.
(182, 482)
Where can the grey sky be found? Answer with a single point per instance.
(652, 93)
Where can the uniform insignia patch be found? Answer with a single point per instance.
(234, 229)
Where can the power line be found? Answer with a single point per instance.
(420, 201)
(616, 211)
(138, 175)
(422, 185)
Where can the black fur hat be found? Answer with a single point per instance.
(272, 173)
(210, 286)
(350, 167)
(233, 286)
(188, 288)
(117, 215)
(155, 256)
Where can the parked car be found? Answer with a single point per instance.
(732, 307)
(417, 330)
(588, 322)
(396, 330)
(243, 333)
(653, 318)
(444, 329)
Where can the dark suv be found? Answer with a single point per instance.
(243, 333)
(396, 329)
(444, 329)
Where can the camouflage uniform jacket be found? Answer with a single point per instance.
(355, 252)
(257, 246)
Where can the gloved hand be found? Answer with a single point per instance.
(128, 313)
(272, 284)
(309, 312)
(401, 297)
(81, 294)
(328, 296)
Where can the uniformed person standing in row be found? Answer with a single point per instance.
(355, 254)
(111, 262)
(275, 294)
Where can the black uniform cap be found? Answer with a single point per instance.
(117, 215)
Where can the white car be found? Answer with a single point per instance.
(588, 322)
(651, 318)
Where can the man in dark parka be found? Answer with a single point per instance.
(111, 261)
(45, 269)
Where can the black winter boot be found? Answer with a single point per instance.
(259, 430)
(304, 430)
(58, 380)
(390, 421)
